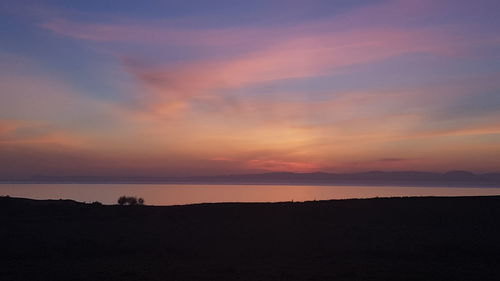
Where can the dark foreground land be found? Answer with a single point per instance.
(373, 239)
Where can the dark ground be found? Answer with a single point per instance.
(372, 239)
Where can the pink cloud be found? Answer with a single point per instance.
(297, 57)
(260, 54)
(159, 33)
(171, 32)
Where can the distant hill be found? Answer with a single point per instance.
(452, 178)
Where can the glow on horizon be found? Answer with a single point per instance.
(170, 89)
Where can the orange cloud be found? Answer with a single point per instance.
(266, 164)
(279, 165)
(13, 132)
(7, 126)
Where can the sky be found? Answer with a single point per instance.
(182, 88)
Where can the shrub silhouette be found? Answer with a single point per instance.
(122, 200)
(130, 200)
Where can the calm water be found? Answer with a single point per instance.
(167, 194)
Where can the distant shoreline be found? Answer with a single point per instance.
(373, 178)
(361, 183)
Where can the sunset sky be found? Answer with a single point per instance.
(176, 88)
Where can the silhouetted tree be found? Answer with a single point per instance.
(122, 200)
(130, 200)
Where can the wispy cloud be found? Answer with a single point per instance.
(191, 102)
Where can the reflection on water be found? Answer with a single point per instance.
(167, 194)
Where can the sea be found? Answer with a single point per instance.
(180, 194)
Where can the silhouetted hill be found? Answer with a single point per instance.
(385, 239)
(452, 178)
